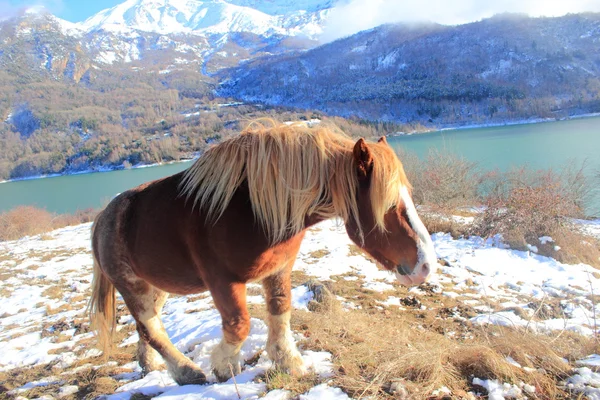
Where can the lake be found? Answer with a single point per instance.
(542, 145)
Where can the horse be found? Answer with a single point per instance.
(238, 215)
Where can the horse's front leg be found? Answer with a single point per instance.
(230, 299)
(280, 343)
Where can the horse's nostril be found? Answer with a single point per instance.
(425, 268)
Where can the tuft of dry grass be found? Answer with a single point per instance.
(53, 292)
(95, 382)
(59, 309)
(574, 248)
(319, 253)
(276, 379)
(441, 223)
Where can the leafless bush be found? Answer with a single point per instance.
(443, 180)
(523, 205)
(28, 220)
(24, 220)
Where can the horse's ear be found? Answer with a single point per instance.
(363, 158)
(382, 140)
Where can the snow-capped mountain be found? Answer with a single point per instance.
(212, 17)
(39, 16)
(203, 35)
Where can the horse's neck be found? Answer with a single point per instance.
(311, 220)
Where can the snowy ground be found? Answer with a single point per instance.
(45, 281)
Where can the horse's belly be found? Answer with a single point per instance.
(171, 275)
(175, 283)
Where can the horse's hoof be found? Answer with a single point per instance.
(224, 374)
(298, 368)
(187, 375)
(293, 365)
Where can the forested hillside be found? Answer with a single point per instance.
(504, 68)
(71, 102)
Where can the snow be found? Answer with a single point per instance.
(590, 227)
(301, 296)
(593, 360)
(209, 17)
(498, 391)
(545, 239)
(324, 392)
(585, 381)
(476, 270)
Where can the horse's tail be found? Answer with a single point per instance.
(102, 306)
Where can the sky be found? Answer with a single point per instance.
(356, 15)
(352, 16)
(71, 10)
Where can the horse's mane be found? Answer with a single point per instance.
(292, 171)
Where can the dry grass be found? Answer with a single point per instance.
(319, 253)
(28, 220)
(521, 204)
(574, 248)
(441, 223)
(354, 250)
(59, 309)
(276, 379)
(91, 382)
(376, 350)
(54, 292)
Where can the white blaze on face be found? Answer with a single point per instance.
(425, 251)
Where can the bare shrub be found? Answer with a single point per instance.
(24, 220)
(523, 205)
(443, 180)
(78, 217)
(28, 220)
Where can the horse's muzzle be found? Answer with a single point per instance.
(407, 277)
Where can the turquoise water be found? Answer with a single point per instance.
(70, 193)
(543, 145)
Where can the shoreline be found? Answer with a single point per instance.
(529, 121)
(94, 171)
(397, 134)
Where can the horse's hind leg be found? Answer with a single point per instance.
(145, 303)
(148, 358)
(280, 343)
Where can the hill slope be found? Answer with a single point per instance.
(475, 309)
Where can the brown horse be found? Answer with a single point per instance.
(238, 215)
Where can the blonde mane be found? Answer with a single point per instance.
(292, 171)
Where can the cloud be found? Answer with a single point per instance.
(353, 16)
(8, 9)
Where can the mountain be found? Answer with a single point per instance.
(506, 67)
(39, 44)
(226, 32)
(154, 80)
(163, 35)
(212, 17)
